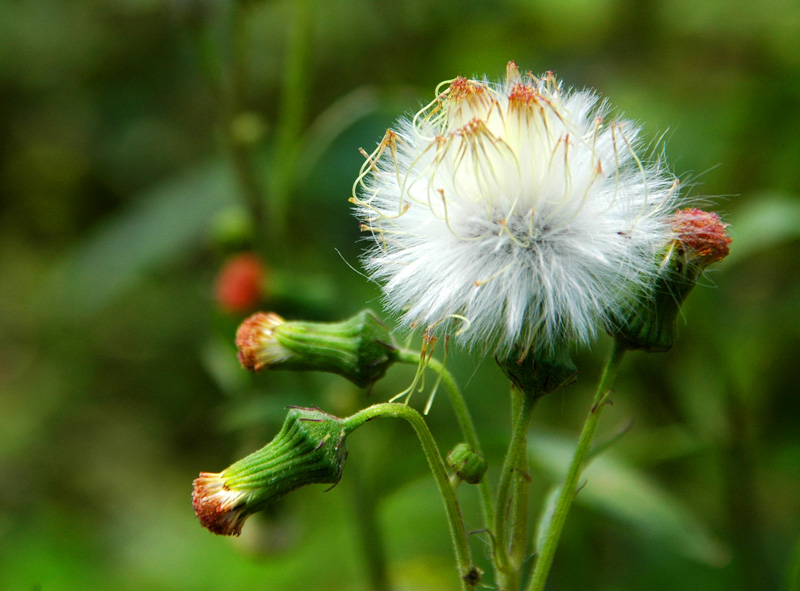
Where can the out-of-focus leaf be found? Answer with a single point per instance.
(793, 573)
(546, 516)
(158, 228)
(622, 492)
(219, 360)
(258, 410)
(334, 121)
(765, 221)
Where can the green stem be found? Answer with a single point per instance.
(464, 420)
(294, 99)
(520, 498)
(227, 79)
(508, 573)
(570, 487)
(242, 152)
(468, 572)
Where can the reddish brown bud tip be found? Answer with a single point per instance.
(218, 508)
(702, 233)
(255, 340)
(239, 283)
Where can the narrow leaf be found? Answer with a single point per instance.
(622, 492)
(156, 229)
(766, 221)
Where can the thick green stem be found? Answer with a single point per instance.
(570, 487)
(508, 573)
(468, 572)
(464, 420)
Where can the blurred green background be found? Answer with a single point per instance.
(134, 136)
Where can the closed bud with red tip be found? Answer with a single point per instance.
(650, 320)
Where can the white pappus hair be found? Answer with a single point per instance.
(512, 215)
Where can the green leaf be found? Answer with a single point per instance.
(620, 491)
(157, 229)
(766, 221)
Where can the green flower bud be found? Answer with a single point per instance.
(360, 349)
(309, 449)
(537, 374)
(468, 464)
(649, 322)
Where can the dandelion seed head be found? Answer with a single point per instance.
(517, 207)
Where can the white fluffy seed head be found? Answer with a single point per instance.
(512, 215)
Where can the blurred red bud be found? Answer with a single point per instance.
(239, 283)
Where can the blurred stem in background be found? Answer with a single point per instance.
(739, 457)
(242, 132)
(365, 503)
(227, 76)
(294, 101)
(240, 128)
(265, 195)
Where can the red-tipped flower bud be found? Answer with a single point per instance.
(359, 349)
(308, 450)
(649, 322)
(702, 236)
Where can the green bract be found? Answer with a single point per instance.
(360, 349)
(309, 449)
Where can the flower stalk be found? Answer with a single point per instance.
(464, 419)
(570, 487)
(508, 571)
(520, 497)
(470, 574)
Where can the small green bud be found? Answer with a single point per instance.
(232, 230)
(649, 322)
(309, 449)
(468, 464)
(537, 374)
(360, 349)
(248, 128)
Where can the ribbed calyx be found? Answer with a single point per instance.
(649, 322)
(360, 349)
(309, 449)
(537, 373)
